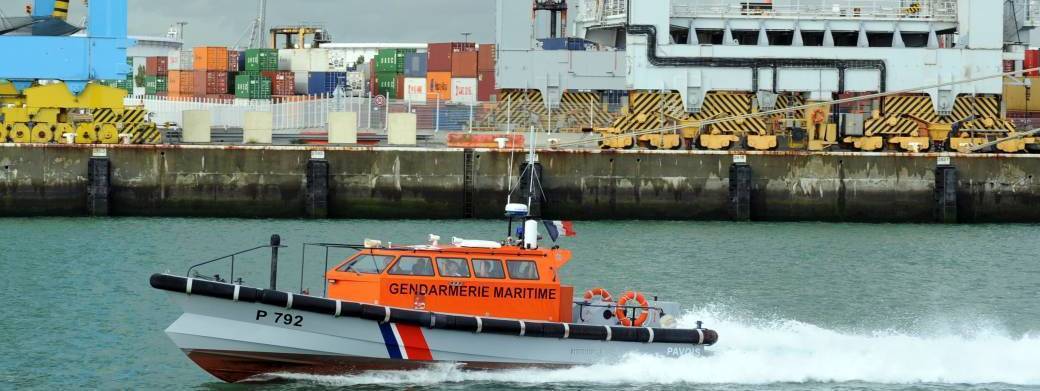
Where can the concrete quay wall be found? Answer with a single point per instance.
(223, 181)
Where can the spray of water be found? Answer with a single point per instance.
(777, 351)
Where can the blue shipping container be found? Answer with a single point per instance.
(241, 61)
(415, 64)
(566, 44)
(325, 82)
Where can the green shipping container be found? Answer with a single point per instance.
(391, 60)
(261, 60)
(252, 87)
(386, 83)
(154, 85)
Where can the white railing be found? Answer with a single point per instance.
(310, 113)
(925, 10)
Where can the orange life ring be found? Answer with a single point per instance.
(819, 116)
(620, 311)
(589, 294)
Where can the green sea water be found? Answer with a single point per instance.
(797, 305)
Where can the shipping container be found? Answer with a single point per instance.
(300, 80)
(252, 87)
(391, 60)
(387, 84)
(399, 87)
(566, 44)
(464, 90)
(210, 82)
(282, 82)
(415, 89)
(181, 83)
(153, 85)
(157, 66)
(486, 86)
(438, 57)
(211, 58)
(327, 60)
(415, 64)
(259, 60)
(234, 61)
(285, 57)
(464, 64)
(338, 61)
(181, 60)
(299, 60)
(438, 85)
(487, 57)
(325, 82)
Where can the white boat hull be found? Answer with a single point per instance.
(237, 340)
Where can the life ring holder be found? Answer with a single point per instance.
(819, 116)
(620, 310)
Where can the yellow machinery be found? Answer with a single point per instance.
(910, 123)
(51, 113)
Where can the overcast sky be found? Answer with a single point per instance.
(223, 22)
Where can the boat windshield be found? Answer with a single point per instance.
(368, 264)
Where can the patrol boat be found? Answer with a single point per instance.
(479, 304)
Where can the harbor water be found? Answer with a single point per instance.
(797, 305)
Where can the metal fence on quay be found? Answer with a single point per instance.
(310, 113)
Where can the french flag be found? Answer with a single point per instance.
(557, 227)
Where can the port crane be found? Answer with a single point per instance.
(49, 90)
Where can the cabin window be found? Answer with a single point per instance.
(522, 270)
(413, 266)
(368, 264)
(452, 267)
(488, 268)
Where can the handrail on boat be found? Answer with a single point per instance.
(232, 258)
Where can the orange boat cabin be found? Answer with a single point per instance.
(472, 277)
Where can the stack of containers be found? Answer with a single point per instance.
(486, 60)
(390, 71)
(464, 77)
(415, 68)
(250, 84)
(326, 67)
(439, 67)
(211, 72)
(156, 71)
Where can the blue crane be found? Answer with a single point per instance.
(40, 47)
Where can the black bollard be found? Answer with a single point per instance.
(276, 241)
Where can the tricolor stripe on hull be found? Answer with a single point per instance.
(405, 342)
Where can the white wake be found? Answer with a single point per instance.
(762, 352)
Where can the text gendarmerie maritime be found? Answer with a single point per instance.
(497, 292)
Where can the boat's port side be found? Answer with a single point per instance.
(431, 320)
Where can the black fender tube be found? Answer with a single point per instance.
(429, 319)
(650, 32)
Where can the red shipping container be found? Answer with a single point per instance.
(156, 66)
(1032, 61)
(464, 64)
(210, 83)
(487, 57)
(282, 82)
(486, 86)
(439, 57)
(399, 89)
(373, 83)
(463, 46)
(232, 60)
